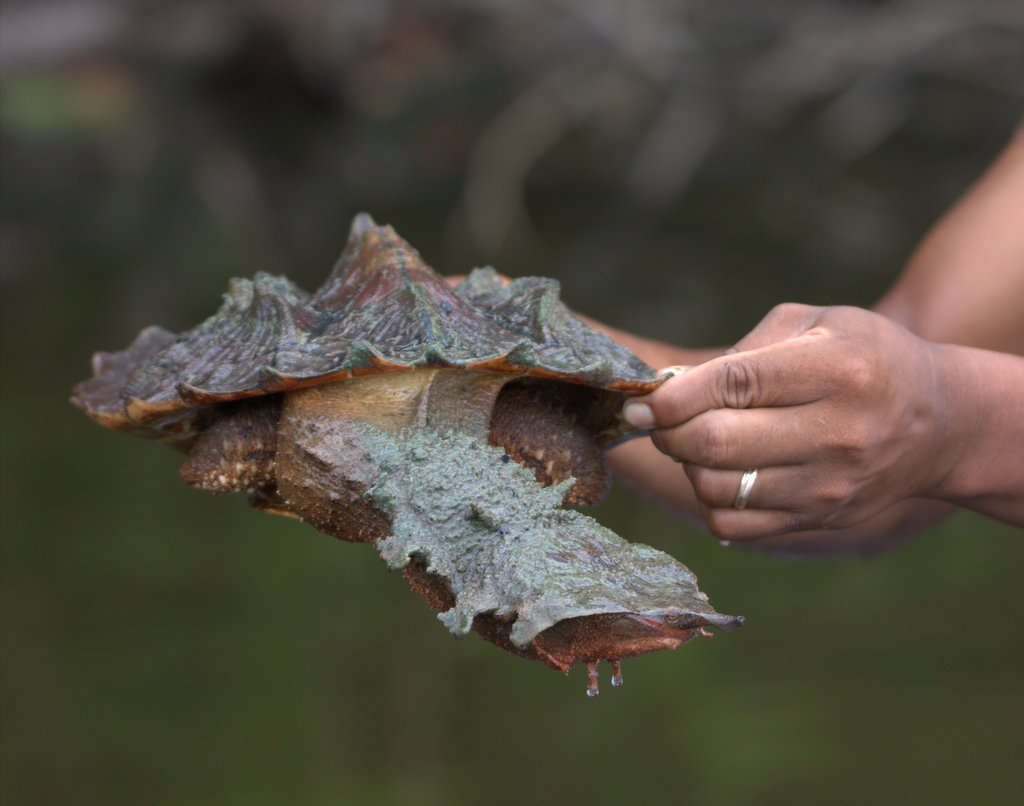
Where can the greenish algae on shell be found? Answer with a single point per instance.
(506, 546)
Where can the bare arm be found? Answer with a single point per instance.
(965, 282)
(963, 285)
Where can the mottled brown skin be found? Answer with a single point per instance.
(235, 452)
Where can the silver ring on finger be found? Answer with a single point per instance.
(745, 489)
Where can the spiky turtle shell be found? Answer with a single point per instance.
(382, 309)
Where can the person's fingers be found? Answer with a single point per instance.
(788, 373)
(729, 523)
(740, 439)
(802, 489)
(718, 489)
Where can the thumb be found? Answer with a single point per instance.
(785, 373)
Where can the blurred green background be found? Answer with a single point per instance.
(680, 167)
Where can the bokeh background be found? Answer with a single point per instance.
(680, 167)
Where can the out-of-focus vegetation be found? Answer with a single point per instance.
(681, 167)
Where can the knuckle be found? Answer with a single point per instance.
(853, 442)
(835, 493)
(854, 372)
(738, 383)
(715, 444)
(790, 311)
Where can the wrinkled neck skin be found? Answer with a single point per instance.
(404, 461)
(425, 400)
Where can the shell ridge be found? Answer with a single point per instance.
(267, 312)
(562, 341)
(381, 309)
(480, 282)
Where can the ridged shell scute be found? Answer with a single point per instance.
(382, 309)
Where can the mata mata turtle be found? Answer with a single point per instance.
(445, 426)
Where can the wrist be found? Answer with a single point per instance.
(982, 435)
(958, 406)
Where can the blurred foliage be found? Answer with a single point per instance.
(680, 167)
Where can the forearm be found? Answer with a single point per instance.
(983, 465)
(965, 281)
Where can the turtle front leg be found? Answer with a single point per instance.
(236, 452)
(552, 429)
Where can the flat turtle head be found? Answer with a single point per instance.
(381, 310)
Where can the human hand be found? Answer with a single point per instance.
(841, 411)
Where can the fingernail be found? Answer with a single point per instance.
(638, 414)
(675, 369)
